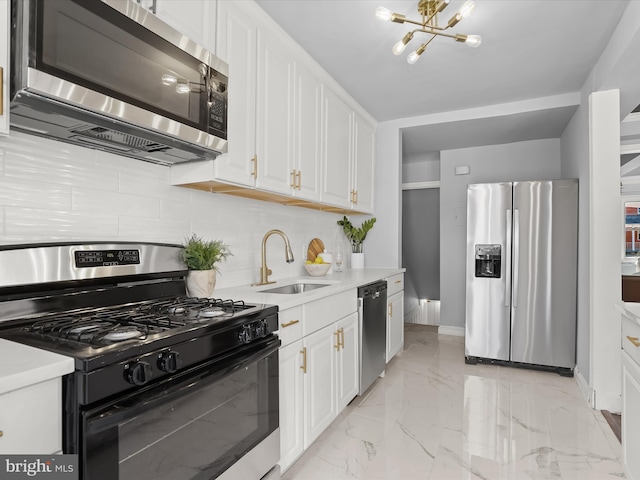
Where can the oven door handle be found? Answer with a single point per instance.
(115, 414)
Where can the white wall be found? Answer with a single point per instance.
(532, 160)
(51, 191)
(575, 164)
(384, 243)
(421, 168)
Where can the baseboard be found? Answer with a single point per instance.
(586, 390)
(447, 330)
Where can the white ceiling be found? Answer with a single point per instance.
(530, 49)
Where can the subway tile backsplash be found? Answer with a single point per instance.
(51, 191)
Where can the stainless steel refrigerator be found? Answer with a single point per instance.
(521, 273)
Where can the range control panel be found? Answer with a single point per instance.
(106, 258)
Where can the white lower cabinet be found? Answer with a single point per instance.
(347, 360)
(318, 372)
(319, 362)
(631, 397)
(291, 403)
(30, 419)
(395, 315)
(395, 324)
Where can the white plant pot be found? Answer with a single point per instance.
(357, 261)
(201, 283)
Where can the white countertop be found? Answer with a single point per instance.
(336, 282)
(630, 310)
(21, 365)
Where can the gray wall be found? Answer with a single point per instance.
(421, 245)
(532, 160)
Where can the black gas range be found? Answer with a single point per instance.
(145, 352)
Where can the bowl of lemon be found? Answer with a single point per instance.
(317, 268)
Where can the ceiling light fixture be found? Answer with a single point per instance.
(429, 10)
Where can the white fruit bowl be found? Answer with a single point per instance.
(317, 269)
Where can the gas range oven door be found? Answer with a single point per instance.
(219, 417)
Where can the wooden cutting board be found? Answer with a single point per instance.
(315, 247)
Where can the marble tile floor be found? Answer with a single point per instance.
(432, 417)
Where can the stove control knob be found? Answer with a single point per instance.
(246, 335)
(170, 362)
(139, 373)
(262, 329)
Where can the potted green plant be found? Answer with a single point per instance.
(356, 236)
(202, 257)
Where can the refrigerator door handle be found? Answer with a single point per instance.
(516, 254)
(507, 264)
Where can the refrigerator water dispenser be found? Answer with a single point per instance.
(488, 260)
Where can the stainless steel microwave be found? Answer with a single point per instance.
(110, 75)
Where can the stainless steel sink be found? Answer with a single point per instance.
(299, 287)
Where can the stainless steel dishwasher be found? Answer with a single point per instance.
(372, 319)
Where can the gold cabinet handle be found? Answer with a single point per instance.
(390, 309)
(254, 160)
(398, 281)
(304, 360)
(288, 324)
(342, 337)
(299, 176)
(337, 345)
(293, 179)
(1, 91)
(1, 433)
(634, 340)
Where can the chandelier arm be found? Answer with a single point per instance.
(434, 32)
(414, 22)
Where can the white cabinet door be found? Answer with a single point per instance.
(319, 358)
(306, 134)
(4, 66)
(31, 419)
(274, 143)
(363, 165)
(237, 45)
(336, 150)
(630, 416)
(291, 404)
(194, 18)
(348, 360)
(395, 324)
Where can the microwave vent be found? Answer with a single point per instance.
(113, 136)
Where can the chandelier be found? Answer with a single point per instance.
(429, 9)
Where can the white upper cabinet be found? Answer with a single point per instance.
(237, 45)
(363, 166)
(347, 156)
(291, 138)
(336, 150)
(306, 134)
(194, 18)
(274, 125)
(4, 67)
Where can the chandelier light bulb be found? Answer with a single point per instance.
(413, 57)
(467, 8)
(383, 13)
(473, 41)
(399, 47)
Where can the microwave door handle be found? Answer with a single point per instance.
(507, 264)
(144, 403)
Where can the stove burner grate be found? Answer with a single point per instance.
(127, 322)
